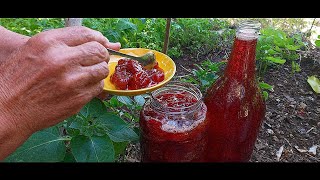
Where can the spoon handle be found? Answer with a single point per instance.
(124, 55)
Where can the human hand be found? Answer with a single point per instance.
(52, 77)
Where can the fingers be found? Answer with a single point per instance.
(90, 92)
(86, 76)
(96, 73)
(90, 53)
(94, 52)
(95, 89)
(89, 46)
(76, 35)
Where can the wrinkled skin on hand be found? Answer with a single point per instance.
(49, 78)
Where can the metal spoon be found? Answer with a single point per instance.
(148, 60)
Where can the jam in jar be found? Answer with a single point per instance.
(173, 125)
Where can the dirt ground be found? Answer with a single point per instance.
(291, 129)
(292, 120)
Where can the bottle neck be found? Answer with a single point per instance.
(241, 63)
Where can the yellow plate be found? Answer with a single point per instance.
(164, 61)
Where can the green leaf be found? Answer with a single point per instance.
(264, 85)
(317, 42)
(124, 23)
(77, 124)
(117, 128)
(114, 102)
(92, 149)
(314, 82)
(122, 133)
(204, 82)
(265, 95)
(292, 47)
(73, 132)
(42, 146)
(276, 60)
(125, 100)
(69, 157)
(295, 67)
(113, 36)
(120, 147)
(110, 120)
(279, 42)
(140, 100)
(271, 52)
(95, 107)
(70, 120)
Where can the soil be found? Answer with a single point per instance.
(291, 129)
(292, 119)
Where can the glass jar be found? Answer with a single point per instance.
(235, 104)
(173, 125)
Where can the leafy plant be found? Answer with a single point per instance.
(126, 107)
(200, 35)
(197, 35)
(131, 32)
(44, 146)
(265, 87)
(275, 47)
(95, 134)
(204, 75)
(31, 26)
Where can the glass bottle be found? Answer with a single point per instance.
(235, 104)
(173, 125)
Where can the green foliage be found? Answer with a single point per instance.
(275, 48)
(92, 149)
(200, 35)
(131, 32)
(31, 26)
(93, 135)
(126, 107)
(194, 35)
(317, 42)
(289, 25)
(44, 146)
(265, 87)
(204, 75)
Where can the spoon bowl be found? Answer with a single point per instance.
(148, 60)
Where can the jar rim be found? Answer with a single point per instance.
(250, 24)
(177, 85)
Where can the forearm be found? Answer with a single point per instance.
(10, 41)
(12, 132)
(10, 138)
